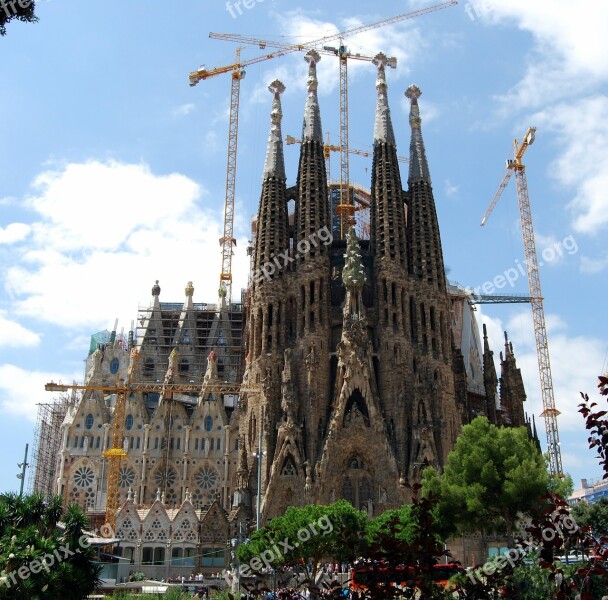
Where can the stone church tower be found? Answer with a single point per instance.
(358, 365)
(359, 382)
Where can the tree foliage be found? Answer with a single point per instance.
(44, 554)
(305, 536)
(593, 515)
(492, 474)
(20, 10)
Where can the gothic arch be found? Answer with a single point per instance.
(289, 468)
(355, 412)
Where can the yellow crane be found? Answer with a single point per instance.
(237, 69)
(123, 389)
(361, 200)
(550, 412)
(328, 148)
(346, 208)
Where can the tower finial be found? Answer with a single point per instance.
(419, 168)
(275, 163)
(311, 129)
(383, 129)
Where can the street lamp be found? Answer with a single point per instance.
(259, 455)
(235, 543)
(23, 466)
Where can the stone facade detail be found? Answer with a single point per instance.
(352, 364)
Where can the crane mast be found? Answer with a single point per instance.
(228, 240)
(346, 208)
(550, 412)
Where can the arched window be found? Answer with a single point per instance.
(114, 364)
(208, 423)
(88, 423)
(129, 422)
(184, 365)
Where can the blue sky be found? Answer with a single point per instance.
(113, 168)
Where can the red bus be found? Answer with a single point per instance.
(400, 576)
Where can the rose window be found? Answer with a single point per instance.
(170, 479)
(206, 478)
(126, 477)
(83, 477)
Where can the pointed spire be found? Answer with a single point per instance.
(275, 163)
(419, 168)
(508, 347)
(486, 344)
(311, 130)
(383, 128)
(189, 293)
(490, 379)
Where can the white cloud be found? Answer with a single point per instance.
(14, 335)
(570, 46)
(106, 232)
(594, 265)
(301, 28)
(183, 110)
(21, 400)
(13, 233)
(576, 361)
(583, 165)
(451, 189)
(568, 65)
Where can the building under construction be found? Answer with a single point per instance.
(357, 366)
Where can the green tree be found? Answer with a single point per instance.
(592, 515)
(305, 536)
(563, 486)
(402, 546)
(45, 555)
(492, 474)
(20, 10)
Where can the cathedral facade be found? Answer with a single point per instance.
(349, 353)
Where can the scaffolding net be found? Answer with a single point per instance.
(47, 444)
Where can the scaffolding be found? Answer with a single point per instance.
(217, 328)
(47, 445)
(361, 198)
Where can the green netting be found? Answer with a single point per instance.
(98, 340)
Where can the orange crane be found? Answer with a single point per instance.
(550, 412)
(346, 207)
(328, 148)
(123, 389)
(360, 197)
(227, 241)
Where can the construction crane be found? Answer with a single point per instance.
(123, 389)
(237, 69)
(227, 241)
(328, 148)
(361, 202)
(550, 413)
